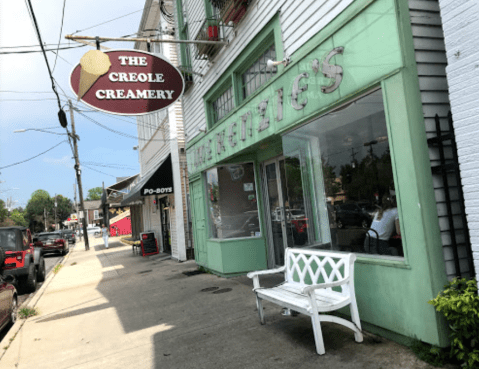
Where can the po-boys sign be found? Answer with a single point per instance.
(126, 82)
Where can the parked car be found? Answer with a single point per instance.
(22, 260)
(52, 241)
(350, 214)
(90, 230)
(8, 297)
(69, 235)
(94, 230)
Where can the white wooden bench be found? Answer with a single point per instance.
(315, 282)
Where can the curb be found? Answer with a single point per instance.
(35, 297)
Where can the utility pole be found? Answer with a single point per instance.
(45, 217)
(78, 174)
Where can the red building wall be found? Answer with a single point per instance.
(123, 226)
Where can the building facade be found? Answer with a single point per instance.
(163, 186)
(317, 149)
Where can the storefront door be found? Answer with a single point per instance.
(288, 220)
(165, 225)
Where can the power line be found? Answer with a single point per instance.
(143, 124)
(46, 99)
(118, 132)
(60, 35)
(111, 20)
(86, 166)
(39, 51)
(33, 157)
(111, 166)
(21, 47)
(44, 54)
(58, 56)
(27, 92)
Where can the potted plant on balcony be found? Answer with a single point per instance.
(212, 29)
(233, 11)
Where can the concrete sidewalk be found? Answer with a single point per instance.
(113, 309)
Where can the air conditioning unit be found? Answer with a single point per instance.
(149, 244)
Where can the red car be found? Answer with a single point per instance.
(52, 241)
(22, 261)
(8, 301)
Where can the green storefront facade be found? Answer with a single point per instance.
(369, 55)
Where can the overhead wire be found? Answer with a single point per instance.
(32, 16)
(39, 51)
(20, 47)
(60, 36)
(108, 21)
(95, 170)
(121, 133)
(111, 166)
(33, 157)
(135, 122)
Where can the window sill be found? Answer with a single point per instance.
(223, 240)
(388, 261)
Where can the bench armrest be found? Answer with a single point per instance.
(255, 275)
(267, 271)
(308, 289)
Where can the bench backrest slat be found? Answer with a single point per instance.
(305, 267)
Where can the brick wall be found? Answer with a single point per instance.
(460, 20)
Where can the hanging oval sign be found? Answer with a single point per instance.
(126, 82)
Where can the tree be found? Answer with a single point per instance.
(39, 203)
(3, 211)
(94, 193)
(18, 218)
(64, 208)
(331, 184)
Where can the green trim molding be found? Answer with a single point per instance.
(366, 59)
(271, 33)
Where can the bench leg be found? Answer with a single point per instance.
(318, 335)
(259, 305)
(355, 319)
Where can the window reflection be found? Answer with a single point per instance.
(348, 153)
(232, 201)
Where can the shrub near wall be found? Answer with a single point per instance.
(459, 303)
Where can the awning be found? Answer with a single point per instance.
(115, 193)
(158, 182)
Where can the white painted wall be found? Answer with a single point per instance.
(160, 134)
(460, 23)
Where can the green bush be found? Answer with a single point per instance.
(459, 303)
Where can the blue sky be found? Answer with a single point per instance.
(27, 74)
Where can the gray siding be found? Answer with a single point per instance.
(431, 65)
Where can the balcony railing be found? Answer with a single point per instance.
(210, 30)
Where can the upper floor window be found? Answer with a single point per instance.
(223, 104)
(258, 73)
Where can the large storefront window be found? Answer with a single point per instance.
(346, 167)
(232, 201)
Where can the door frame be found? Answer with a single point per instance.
(267, 208)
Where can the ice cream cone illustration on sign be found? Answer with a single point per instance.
(94, 64)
